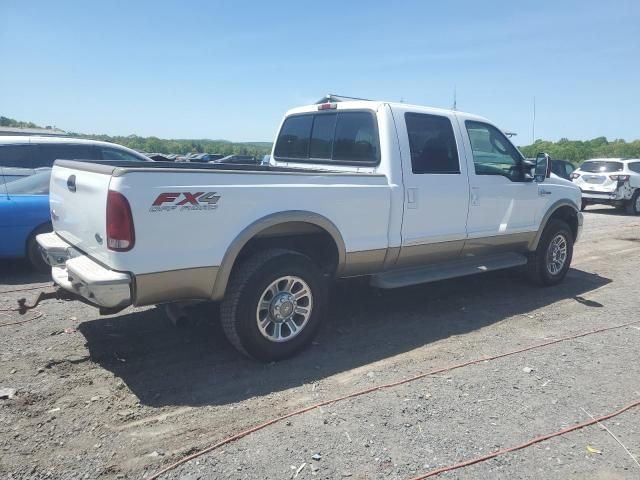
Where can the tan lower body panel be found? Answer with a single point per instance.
(363, 262)
(513, 242)
(185, 284)
(413, 255)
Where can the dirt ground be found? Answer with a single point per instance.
(122, 396)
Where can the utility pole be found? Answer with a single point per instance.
(533, 125)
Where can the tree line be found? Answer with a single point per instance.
(160, 145)
(575, 151)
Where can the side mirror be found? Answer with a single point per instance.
(542, 167)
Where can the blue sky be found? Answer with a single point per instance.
(198, 69)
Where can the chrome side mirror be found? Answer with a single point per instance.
(542, 168)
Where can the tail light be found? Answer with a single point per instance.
(574, 175)
(120, 232)
(620, 178)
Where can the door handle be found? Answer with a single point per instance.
(412, 197)
(475, 195)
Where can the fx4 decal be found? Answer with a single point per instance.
(169, 201)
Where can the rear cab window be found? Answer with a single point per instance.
(348, 137)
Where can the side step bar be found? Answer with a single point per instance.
(443, 271)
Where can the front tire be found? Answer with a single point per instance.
(274, 304)
(549, 264)
(633, 207)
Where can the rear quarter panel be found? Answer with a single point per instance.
(178, 238)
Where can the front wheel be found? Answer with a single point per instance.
(549, 264)
(274, 304)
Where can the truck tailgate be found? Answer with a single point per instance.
(78, 201)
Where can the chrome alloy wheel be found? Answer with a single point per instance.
(557, 254)
(638, 203)
(284, 309)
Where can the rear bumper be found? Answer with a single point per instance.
(601, 196)
(76, 272)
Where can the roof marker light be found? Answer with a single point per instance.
(327, 106)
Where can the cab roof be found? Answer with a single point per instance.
(359, 104)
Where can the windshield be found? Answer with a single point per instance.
(601, 166)
(36, 184)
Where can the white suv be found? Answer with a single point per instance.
(610, 181)
(22, 156)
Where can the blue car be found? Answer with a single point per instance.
(24, 213)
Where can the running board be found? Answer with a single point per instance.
(443, 271)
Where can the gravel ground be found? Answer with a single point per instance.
(122, 396)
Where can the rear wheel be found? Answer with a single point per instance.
(274, 304)
(549, 264)
(34, 254)
(633, 207)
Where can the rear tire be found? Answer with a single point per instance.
(549, 264)
(34, 254)
(633, 207)
(274, 304)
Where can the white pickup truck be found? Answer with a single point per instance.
(399, 193)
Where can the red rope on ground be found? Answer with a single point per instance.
(542, 438)
(35, 317)
(25, 289)
(256, 428)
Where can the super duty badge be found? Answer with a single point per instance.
(168, 201)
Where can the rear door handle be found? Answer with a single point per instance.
(412, 197)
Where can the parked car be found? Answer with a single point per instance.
(238, 160)
(562, 168)
(610, 181)
(23, 155)
(24, 213)
(397, 193)
(202, 157)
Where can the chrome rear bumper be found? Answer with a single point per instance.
(76, 272)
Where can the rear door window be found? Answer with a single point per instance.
(635, 167)
(349, 137)
(432, 144)
(21, 156)
(48, 153)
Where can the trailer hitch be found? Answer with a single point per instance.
(57, 294)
